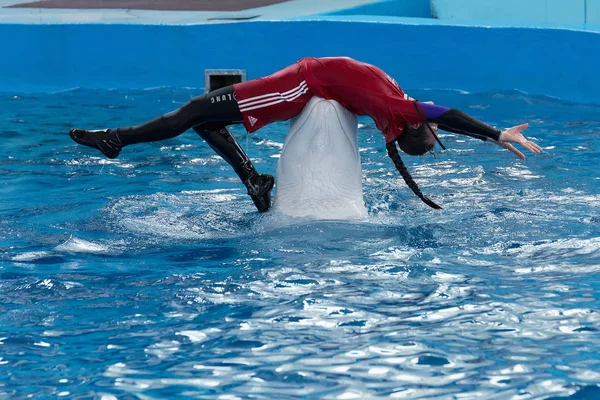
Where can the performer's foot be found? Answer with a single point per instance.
(259, 188)
(106, 140)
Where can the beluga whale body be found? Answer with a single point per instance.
(319, 173)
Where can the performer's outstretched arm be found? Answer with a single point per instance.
(456, 121)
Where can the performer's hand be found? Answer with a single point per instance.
(514, 135)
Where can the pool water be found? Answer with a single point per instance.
(152, 276)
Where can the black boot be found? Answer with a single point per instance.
(223, 143)
(107, 140)
(111, 141)
(259, 188)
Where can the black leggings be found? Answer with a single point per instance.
(209, 115)
(213, 111)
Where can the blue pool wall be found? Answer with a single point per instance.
(561, 63)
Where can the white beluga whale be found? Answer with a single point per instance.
(319, 173)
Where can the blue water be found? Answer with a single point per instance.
(152, 276)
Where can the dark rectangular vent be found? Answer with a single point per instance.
(217, 78)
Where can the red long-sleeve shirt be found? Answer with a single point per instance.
(364, 90)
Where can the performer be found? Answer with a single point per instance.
(362, 88)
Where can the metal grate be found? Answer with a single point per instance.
(217, 78)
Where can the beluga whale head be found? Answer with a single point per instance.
(319, 172)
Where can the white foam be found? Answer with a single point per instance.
(270, 143)
(212, 160)
(163, 349)
(351, 394)
(76, 245)
(194, 336)
(119, 370)
(31, 256)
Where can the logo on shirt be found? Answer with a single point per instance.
(252, 120)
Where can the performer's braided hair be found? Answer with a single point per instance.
(395, 156)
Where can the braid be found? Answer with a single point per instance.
(395, 156)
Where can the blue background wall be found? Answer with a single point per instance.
(559, 63)
(593, 12)
(574, 12)
(398, 8)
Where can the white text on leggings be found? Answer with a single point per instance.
(219, 99)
